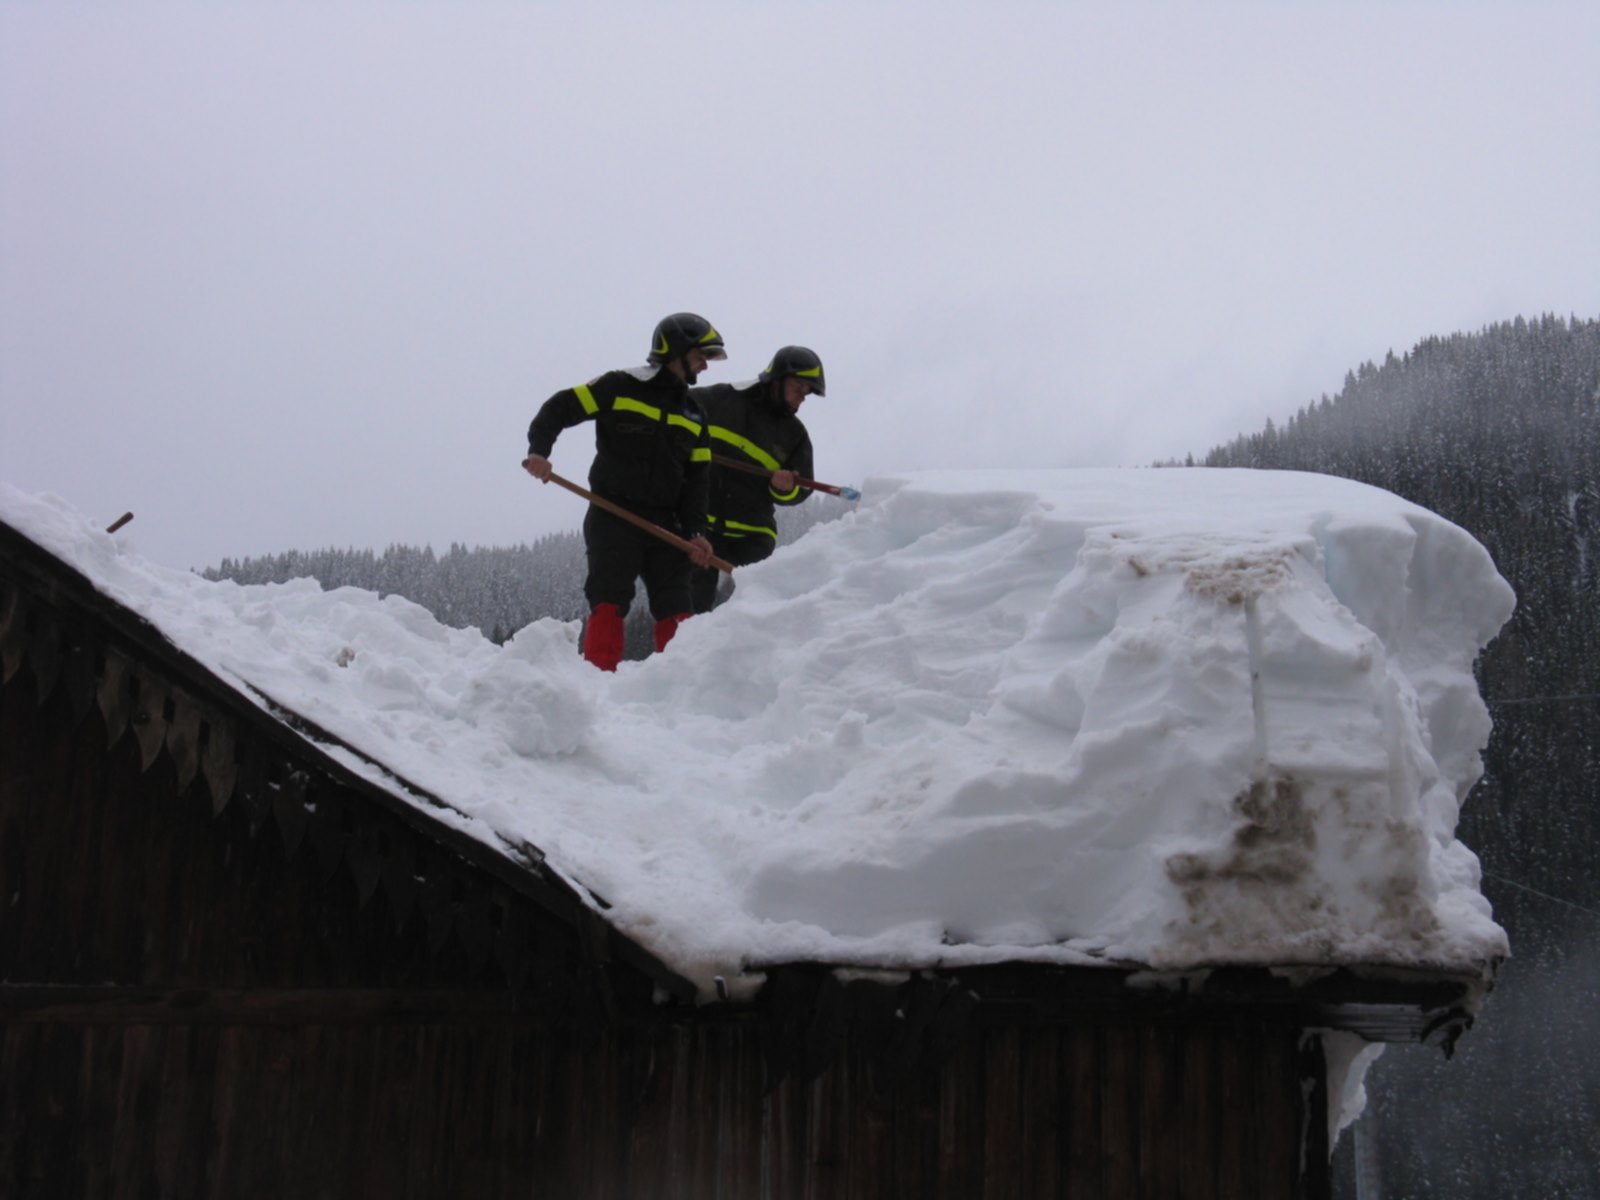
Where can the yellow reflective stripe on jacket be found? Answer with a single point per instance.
(740, 529)
(586, 398)
(700, 454)
(745, 444)
(692, 426)
(789, 495)
(626, 404)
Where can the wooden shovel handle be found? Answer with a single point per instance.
(616, 510)
(750, 468)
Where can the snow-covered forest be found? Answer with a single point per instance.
(1500, 432)
(495, 589)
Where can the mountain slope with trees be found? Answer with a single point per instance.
(496, 589)
(1500, 432)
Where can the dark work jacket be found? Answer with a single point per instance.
(748, 423)
(651, 451)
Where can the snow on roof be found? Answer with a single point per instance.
(1166, 718)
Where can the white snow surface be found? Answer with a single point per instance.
(1166, 718)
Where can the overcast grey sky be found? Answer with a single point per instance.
(282, 276)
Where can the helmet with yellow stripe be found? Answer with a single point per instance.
(682, 332)
(803, 364)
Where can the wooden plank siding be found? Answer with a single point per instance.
(429, 1110)
(230, 968)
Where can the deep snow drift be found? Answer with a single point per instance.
(1162, 717)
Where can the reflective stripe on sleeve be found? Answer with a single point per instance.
(586, 398)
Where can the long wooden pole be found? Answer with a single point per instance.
(666, 535)
(750, 468)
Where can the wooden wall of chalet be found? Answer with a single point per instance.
(252, 978)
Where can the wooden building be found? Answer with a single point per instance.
(232, 964)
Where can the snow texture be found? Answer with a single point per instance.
(1163, 718)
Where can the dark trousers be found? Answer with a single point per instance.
(740, 552)
(620, 553)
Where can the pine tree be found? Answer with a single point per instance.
(1499, 431)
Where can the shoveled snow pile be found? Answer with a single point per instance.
(1158, 717)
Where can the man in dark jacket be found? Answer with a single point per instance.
(653, 457)
(758, 424)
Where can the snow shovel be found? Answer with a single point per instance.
(651, 527)
(833, 489)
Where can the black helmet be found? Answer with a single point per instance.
(682, 332)
(797, 360)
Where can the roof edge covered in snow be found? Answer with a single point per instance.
(103, 655)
